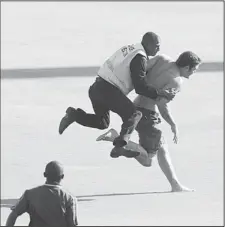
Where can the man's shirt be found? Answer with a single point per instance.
(162, 73)
(48, 205)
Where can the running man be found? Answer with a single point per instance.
(124, 71)
(48, 204)
(163, 73)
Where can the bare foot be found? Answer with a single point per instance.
(108, 136)
(181, 188)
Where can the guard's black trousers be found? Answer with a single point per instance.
(105, 97)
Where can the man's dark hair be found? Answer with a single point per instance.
(188, 58)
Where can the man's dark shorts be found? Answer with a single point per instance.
(150, 137)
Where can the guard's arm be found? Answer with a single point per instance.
(138, 69)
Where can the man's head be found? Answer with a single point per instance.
(54, 172)
(151, 43)
(188, 63)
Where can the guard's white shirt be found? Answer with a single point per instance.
(116, 70)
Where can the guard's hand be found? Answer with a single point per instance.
(175, 133)
(168, 94)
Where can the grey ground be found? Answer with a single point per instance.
(67, 35)
(113, 191)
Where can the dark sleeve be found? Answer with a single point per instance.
(138, 67)
(71, 212)
(22, 204)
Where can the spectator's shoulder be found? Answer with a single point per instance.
(34, 189)
(68, 194)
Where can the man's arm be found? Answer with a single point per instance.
(71, 213)
(17, 210)
(165, 111)
(138, 68)
(167, 116)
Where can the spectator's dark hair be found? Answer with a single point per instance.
(188, 58)
(54, 171)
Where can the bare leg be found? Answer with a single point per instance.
(168, 170)
(110, 135)
(145, 159)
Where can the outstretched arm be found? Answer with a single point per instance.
(167, 116)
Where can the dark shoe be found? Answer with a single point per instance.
(68, 119)
(120, 141)
(121, 151)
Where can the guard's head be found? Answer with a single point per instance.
(54, 171)
(151, 43)
(188, 62)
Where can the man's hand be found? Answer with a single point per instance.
(175, 133)
(168, 94)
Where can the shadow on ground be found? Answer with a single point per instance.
(84, 198)
(80, 71)
(122, 194)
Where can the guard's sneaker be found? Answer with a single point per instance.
(68, 119)
(121, 151)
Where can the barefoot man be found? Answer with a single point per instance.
(123, 72)
(166, 74)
